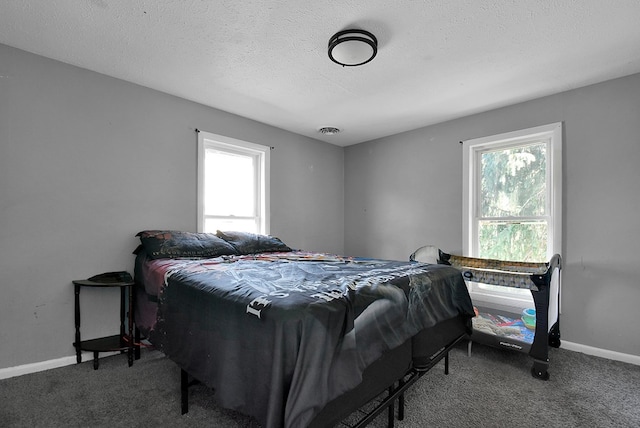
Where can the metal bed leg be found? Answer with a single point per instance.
(137, 347)
(401, 400)
(392, 409)
(184, 391)
(446, 363)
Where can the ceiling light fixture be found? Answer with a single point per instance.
(352, 47)
(328, 130)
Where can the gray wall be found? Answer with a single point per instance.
(87, 161)
(405, 191)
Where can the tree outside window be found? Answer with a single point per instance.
(512, 201)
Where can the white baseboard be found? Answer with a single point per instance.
(598, 352)
(47, 365)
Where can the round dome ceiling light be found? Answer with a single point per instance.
(350, 48)
(328, 130)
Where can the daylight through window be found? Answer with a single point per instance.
(512, 200)
(232, 184)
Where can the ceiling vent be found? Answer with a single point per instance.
(328, 130)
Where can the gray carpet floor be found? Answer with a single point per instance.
(492, 388)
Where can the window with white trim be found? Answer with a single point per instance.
(233, 184)
(512, 202)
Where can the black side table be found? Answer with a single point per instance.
(122, 342)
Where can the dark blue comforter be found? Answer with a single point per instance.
(278, 335)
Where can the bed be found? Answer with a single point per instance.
(289, 337)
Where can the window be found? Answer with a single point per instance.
(233, 184)
(512, 202)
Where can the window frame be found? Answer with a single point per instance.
(472, 150)
(261, 153)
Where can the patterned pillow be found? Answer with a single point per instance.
(165, 244)
(253, 243)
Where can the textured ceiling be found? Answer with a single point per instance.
(267, 60)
